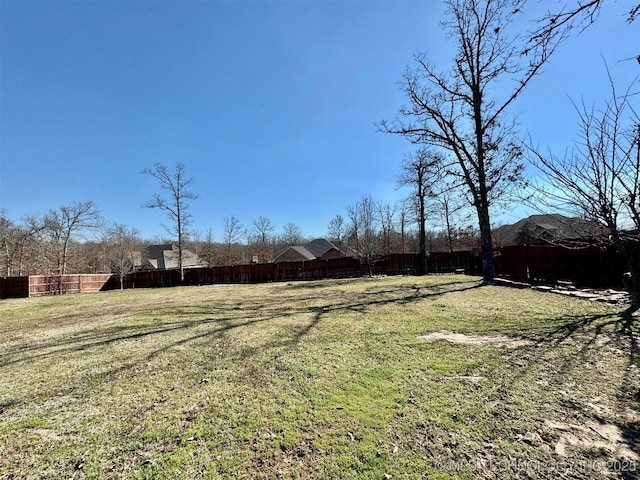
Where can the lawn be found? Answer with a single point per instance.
(396, 377)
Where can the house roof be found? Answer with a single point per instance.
(317, 248)
(304, 252)
(165, 257)
(154, 254)
(546, 228)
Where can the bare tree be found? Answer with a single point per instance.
(386, 213)
(405, 209)
(337, 230)
(233, 231)
(208, 249)
(564, 18)
(124, 250)
(450, 207)
(176, 205)
(292, 234)
(63, 225)
(462, 111)
(91, 256)
(600, 179)
(262, 233)
(421, 171)
(39, 255)
(364, 230)
(18, 242)
(8, 236)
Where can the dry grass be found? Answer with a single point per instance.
(318, 380)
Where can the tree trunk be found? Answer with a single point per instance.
(634, 289)
(423, 236)
(486, 245)
(631, 279)
(7, 258)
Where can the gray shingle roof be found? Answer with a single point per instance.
(317, 248)
(546, 228)
(164, 257)
(304, 252)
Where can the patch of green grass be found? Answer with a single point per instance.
(323, 379)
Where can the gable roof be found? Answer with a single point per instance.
(318, 248)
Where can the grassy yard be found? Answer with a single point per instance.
(328, 379)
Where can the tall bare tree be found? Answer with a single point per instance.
(124, 250)
(364, 222)
(405, 209)
(176, 206)
(447, 205)
(386, 214)
(233, 231)
(67, 223)
(262, 232)
(18, 242)
(337, 230)
(291, 234)
(462, 111)
(421, 171)
(208, 249)
(38, 255)
(600, 179)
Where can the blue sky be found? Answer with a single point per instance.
(270, 105)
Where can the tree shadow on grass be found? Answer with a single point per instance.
(229, 317)
(621, 329)
(590, 338)
(182, 325)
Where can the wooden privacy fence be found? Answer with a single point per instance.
(37, 285)
(592, 267)
(255, 273)
(396, 264)
(589, 267)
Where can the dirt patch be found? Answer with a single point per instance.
(461, 338)
(610, 440)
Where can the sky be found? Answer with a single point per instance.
(271, 106)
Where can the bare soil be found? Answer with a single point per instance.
(460, 338)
